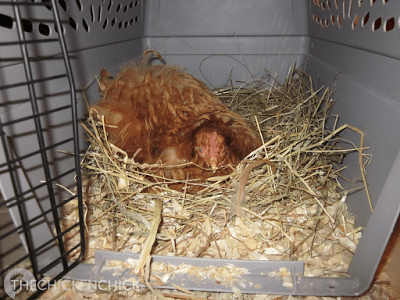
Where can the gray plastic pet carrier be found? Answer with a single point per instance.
(47, 48)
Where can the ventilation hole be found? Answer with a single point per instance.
(118, 8)
(355, 21)
(6, 21)
(99, 14)
(44, 29)
(344, 10)
(63, 4)
(326, 22)
(339, 21)
(120, 25)
(385, 1)
(56, 28)
(136, 19)
(377, 24)
(136, 3)
(332, 20)
(373, 2)
(323, 5)
(92, 13)
(105, 24)
(109, 6)
(27, 25)
(47, 4)
(113, 21)
(360, 3)
(328, 4)
(72, 23)
(85, 25)
(389, 25)
(336, 4)
(131, 22)
(79, 4)
(350, 8)
(126, 24)
(125, 8)
(131, 5)
(315, 2)
(365, 19)
(314, 17)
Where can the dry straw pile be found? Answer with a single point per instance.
(293, 209)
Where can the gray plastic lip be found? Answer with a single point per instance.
(257, 281)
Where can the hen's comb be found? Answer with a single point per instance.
(213, 139)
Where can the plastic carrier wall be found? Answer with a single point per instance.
(352, 42)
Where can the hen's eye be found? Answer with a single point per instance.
(200, 151)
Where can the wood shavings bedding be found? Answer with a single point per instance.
(296, 212)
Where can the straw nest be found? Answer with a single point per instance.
(294, 206)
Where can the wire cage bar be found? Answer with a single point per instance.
(34, 188)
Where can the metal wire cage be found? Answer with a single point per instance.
(39, 167)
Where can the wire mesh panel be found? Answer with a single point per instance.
(39, 157)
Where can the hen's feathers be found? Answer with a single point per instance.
(161, 109)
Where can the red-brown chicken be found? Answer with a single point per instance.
(173, 118)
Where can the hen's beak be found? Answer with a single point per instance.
(214, 164)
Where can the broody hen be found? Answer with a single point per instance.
(161, 113)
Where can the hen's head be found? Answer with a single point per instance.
(210, 147)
